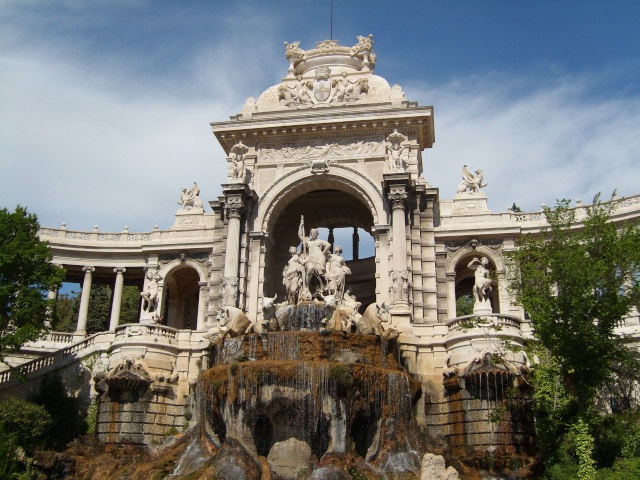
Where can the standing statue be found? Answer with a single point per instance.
(470, 182)
(292, 276)
(150, 294)
(314, 257)
(336, 272)
(482, 287)
(190, 198)
(239, 150)
(395, 149)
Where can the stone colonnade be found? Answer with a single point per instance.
(87, 282)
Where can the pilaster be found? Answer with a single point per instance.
(398, 188)
(238, 200)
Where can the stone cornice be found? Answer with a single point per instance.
(327, 122)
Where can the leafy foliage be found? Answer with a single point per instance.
(130, 308)
(464, 305)
(68, 307)
(99, 309)
(66, 312)
(24, 423)
(577, 285)
(26, 275)
(65, 410)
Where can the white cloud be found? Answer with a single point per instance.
(536, 142)
(95, 145)
(95, 137)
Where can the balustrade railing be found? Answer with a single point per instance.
(526, 217)
(47, 360)
(59, 337)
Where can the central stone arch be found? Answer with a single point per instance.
(342, 197)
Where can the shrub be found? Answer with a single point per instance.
(24, 423)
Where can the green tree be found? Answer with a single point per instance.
(24, 423)
(130, 309)
(577, 282)
(67, 308)
(26, 275)
(66, 412)
(464, 305)
(99, 309)
(23, 429)
(577, 285)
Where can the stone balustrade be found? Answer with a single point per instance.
(140, 336)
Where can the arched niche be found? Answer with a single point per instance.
(181, 302)
(461, 277)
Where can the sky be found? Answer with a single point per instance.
(105, 105)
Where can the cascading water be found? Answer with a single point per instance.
(344, 396)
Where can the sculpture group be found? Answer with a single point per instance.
(314, 276)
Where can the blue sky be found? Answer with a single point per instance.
(105, 105)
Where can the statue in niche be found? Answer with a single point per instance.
(239, 150)
(314, 258)
(395, 149)
(483, 284)
(150, 294)
(189, 198)
(337, 270)
(292, 276)
(471, 183)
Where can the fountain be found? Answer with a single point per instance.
(309, 392)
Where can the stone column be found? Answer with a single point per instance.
(117, 298)
(202, 305)
(451, 295)
(84, 301)
(233, 208)
(53, 296)
(399, 275)
(356, 244)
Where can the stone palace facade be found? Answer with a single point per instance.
(340, 147)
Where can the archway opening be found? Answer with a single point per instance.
(181, 298)
(341, 219)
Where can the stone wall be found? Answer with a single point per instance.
(141, 418)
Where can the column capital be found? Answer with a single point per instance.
(398, 196)
(88, 269)
(234, 207)
(119, 270)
